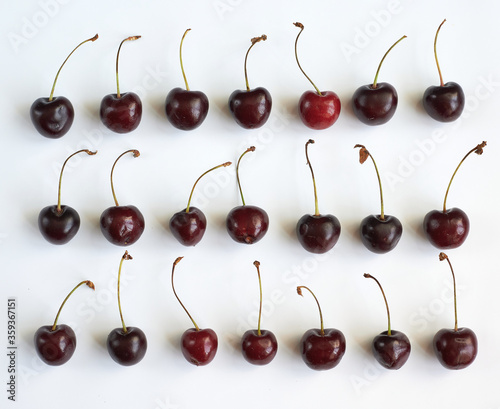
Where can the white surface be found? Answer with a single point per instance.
(216, 279)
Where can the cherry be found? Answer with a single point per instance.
(317, 233)
(188, 226)
(448, 229)
(321, 349)
(60, 223)
(53, 116)
(444, 102)
(455, 348)
(126, 345)
(379, 233)
(259, 346)
(121, 113)
(375, 104)
(55, 344)
(251, 108)
(186, 109)
(122, 225)
(320, 109)
(246, 224)
(390, 348)
(198, 346)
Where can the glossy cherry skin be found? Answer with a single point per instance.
(127, 348)
(455, 349)
(318, 234)
(446, 230)
(199, 346)
(122, 225)
(250, 109)
(380, 236)
(391, 351)
(319, 111)
(188, 227)
(247, 224)
(55, 347)
(375, 106)
(444, 103)
(52, 119)
(186, 110)
(259, 349)
(322, 352)
(121, 115)
(58, 227)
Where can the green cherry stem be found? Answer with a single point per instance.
(477, 150)
(251, 149)
(383, 58)
(443, 256)
(435, 53)
(180, 56)
(299, 292)
(89, 284)
(316, 208)
(60, 176)
(132, 38)
(366, 275)
(363, 155)
(60, 68)
(301, 26)
(254, 41)
(136, 153)
(177, 260)
(125, 256)
(257, 265)
(197, 180)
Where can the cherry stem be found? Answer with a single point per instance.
(316, 209)
(60, 176)
(177, 260)
(132, 38)
(383, 58)
(136, 153)
(57, 75)
(363, 155)
(180, 56)
(251, 149)
(254, 41)
(299, 292)
(89, 284)
(443, 256)
(435, 53)
(257, 265)
(301, 26)
(197, 180)
(125, 256)
(478, 150)
(366, 275)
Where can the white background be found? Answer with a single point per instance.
(340, 49)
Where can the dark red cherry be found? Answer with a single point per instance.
(52, 117)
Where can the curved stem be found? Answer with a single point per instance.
(197, 180)
(251, 149)
(257, 265)
(125, 256)
(180, 56)
(383, 58)
(435, 53)
(443, 256)
(132, 38)
(60, 176)
(254, 41)
(177, 260)
(136, 153)
(363, 155)
(479, 151)
(299, 292)
(316, 208)
(301, 26)
(366, 275)
(51, 96)
(89, 284)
